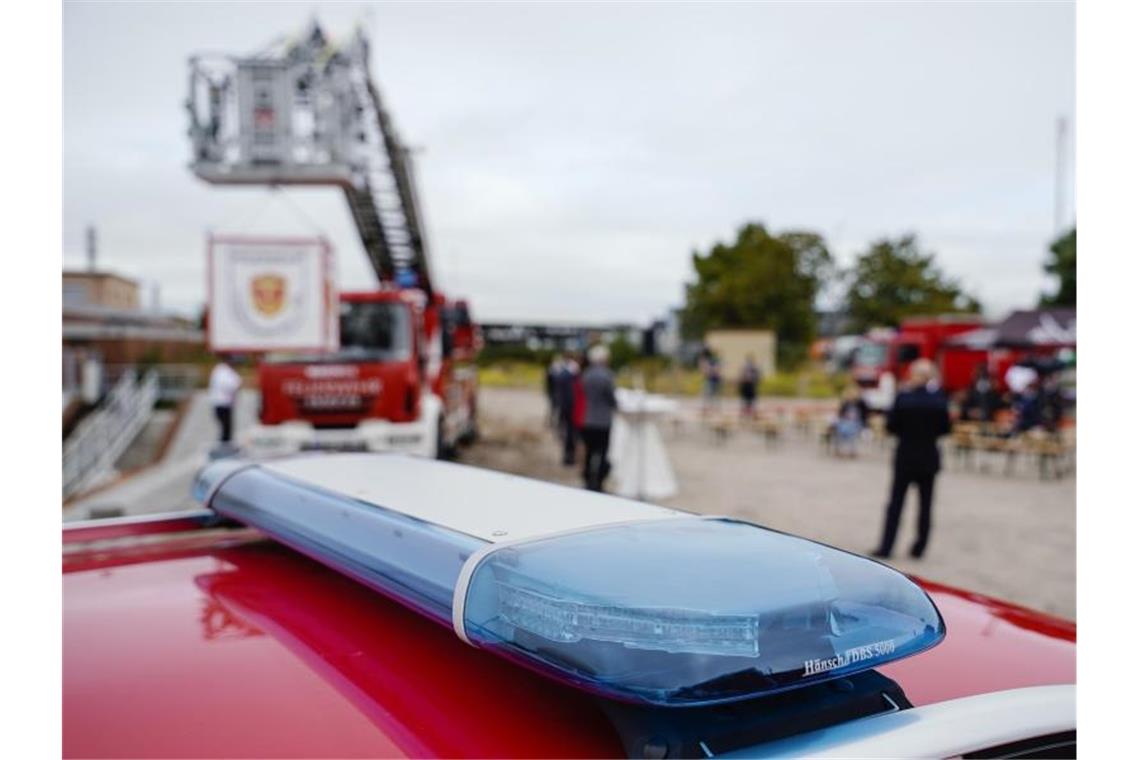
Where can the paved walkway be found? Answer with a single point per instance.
(165, 486)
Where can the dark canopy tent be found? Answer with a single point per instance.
(1026, 328)
(1038, 328)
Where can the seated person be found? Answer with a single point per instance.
(851, 421)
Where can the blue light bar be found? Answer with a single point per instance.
(690, 612)
(675, 612)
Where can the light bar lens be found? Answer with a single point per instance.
(662, 629)
(690, 612)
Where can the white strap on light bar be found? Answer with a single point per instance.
(235, 466)
(463, 582)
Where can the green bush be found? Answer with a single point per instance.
(807, 382)
(659, 375)
(492, 355)
(513, 375)
(622, 353)
(780, 384)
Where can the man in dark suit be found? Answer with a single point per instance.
(564, 390)
(919, 417)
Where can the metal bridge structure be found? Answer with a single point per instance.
(307, 112)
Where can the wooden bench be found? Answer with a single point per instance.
(1055, 452)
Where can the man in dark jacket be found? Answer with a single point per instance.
(919, 417)
(598, 386)
(981, 398)
(564, 393)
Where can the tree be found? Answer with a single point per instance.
(622, 352)
(760, 281)
(1062, 264)
(893, 280)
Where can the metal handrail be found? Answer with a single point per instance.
(175, 381)
(90, 453)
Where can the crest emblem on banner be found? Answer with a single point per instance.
(268, 291)
(271, 294)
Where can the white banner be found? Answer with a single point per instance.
(271, 295)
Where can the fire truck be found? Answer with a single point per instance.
(403, 380)
(883, 360)
(959, 344)
(401, 376)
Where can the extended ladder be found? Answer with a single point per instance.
(308, 113)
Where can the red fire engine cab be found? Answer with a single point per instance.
(884, 359)
(402, 380)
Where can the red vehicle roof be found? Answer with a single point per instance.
(222, 643)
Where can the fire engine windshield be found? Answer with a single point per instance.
(375, 329)
(871, 355)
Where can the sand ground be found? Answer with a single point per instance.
(1010, 536)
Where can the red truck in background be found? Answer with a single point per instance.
(307, 112)
(887, 355)
(958, 345)
(403, 379)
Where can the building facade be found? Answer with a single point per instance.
(102, 289)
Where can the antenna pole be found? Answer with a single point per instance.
(92, 248)
(1059, 188)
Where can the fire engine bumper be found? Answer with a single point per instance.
(419, 437)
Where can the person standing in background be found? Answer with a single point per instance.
(981, 398)
(578, 408)
(564, 389)
(601, 401)
(1019, 378)
(749, 381)
(223, 387)
(552, 373)
(710, 368)
(1052, 402)
(919, 417)
(1028, 408)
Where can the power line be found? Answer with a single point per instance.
(297, 209)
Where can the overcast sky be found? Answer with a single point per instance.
(573, 155)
